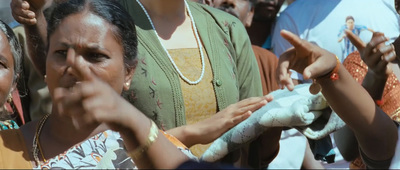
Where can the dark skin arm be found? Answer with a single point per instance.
(376, 55)
(30, 14)
(98, 103)
(93, 102)
(349, 100)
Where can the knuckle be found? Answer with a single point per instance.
(370, 45)
(241, 110)
(229, 123)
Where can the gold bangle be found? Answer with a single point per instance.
(153, 134)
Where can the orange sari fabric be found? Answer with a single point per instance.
(391, 101)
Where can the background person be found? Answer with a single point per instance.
(191, 68)
(10, 68)
(74, 62)
(356, 108)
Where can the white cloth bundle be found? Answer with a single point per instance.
(299, 109)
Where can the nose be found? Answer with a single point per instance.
(71, 56)
(71, 59)
(229, 3)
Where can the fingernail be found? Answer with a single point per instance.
(249, 112)
(285, 31)
(290, 86)
(31, 15)
(390, 57)
(25, 5)
(307, 74)
(384, 38)
(33, 20)
(385, 49)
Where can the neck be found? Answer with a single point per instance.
(258, 32)
(164, 8)
(59, 134)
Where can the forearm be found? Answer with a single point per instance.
(347, 143)
(371, 30)
(186, 134)
(340, 39)
(371, 126)
(374, 84)
(36, 42)
(159, 153)
(269, 145)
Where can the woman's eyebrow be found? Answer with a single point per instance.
(89, 46)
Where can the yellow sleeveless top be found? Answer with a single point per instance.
(13, 152)
(200, 100)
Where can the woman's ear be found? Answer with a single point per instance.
(128, 77)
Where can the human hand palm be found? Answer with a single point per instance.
(213, 127)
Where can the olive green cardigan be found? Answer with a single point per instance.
(155, 88)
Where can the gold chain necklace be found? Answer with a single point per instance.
(36, 147)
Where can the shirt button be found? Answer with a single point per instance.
(218, 82)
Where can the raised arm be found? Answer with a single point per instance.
(373, 81)
(377, 56)
(30, 13)
(93, 101)
(346, 97)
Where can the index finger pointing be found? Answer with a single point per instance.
(82, 69)
(292, 38)
(355, 40)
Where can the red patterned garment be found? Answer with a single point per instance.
(391, 101)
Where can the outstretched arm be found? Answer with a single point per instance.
(208, 130)
(346, 97)
(374, 82)
(370, 29)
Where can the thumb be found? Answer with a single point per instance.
(316, 69)
(389, 69)
(355, 40)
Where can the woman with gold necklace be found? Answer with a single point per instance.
(91, 57)
(10, 69)
(90, 61)
(194, 61)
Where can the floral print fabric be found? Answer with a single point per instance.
(102, 151)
